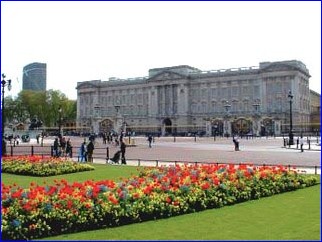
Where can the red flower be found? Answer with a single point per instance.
(136, 195)
(113, 200)
(69, 204)
(16, 194)
(205, 186)
(176, 203)
(28, 206)
(216, 181)
(87, 205)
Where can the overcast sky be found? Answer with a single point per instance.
(82, 41)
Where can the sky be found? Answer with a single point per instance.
(83, 41)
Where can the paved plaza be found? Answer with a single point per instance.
(259, 151)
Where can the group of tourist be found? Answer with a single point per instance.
(62, 147)
(112, 138)
(86, 151)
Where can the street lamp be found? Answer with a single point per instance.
(59, 121)
(4, 84)
(291, 136)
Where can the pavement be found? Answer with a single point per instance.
(170, 150)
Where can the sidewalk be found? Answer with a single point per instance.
(306, 147)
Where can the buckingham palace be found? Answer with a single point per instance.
(183, 99)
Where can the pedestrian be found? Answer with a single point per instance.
(302, 143)
(42, 138)
(117, 143)
(4, 147)
(82, 152)
(236, 143)
(297, 142)
(104, 138)
(150, 140)
(90, 150)
(69, 148)
(63, 145)
(123, 148)
(56, 148)
(15, 140)
(121, 137)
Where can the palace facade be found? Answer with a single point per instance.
(183, 99)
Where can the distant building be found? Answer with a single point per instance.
(183, 99)
(315, 111)
(34, 77)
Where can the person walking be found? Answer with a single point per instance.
(68, 148)
(302, 143)
(56, 148)
(82, 152)
(37, 137)
(236, 143)
(104, 138)
(63, 145)
(123, 148)
(90, 150)
(150, 140)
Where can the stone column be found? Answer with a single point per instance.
(208, 128)
(95, 125)
(118, 123)
(182, 100)
(153, 102)
(277, 128)
(163, 129)
(256, 126)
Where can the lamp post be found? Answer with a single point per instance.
(291, 136)
(4, 84)
(59, 120)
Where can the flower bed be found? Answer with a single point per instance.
(41, 211)
(41, 166)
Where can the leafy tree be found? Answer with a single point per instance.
(39, 107)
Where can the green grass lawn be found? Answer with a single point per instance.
(288, 216)
(101, 172)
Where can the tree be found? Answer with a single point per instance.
(39, 107)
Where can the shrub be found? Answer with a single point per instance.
(41, 166)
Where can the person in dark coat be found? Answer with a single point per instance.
(4, 147)
(150, 140)
(123, 148)
(236, 143)
(82, 152)
(56, 148)
(90, 150)
(69, 148)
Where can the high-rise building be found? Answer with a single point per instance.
(184, 99)
(34, 77)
